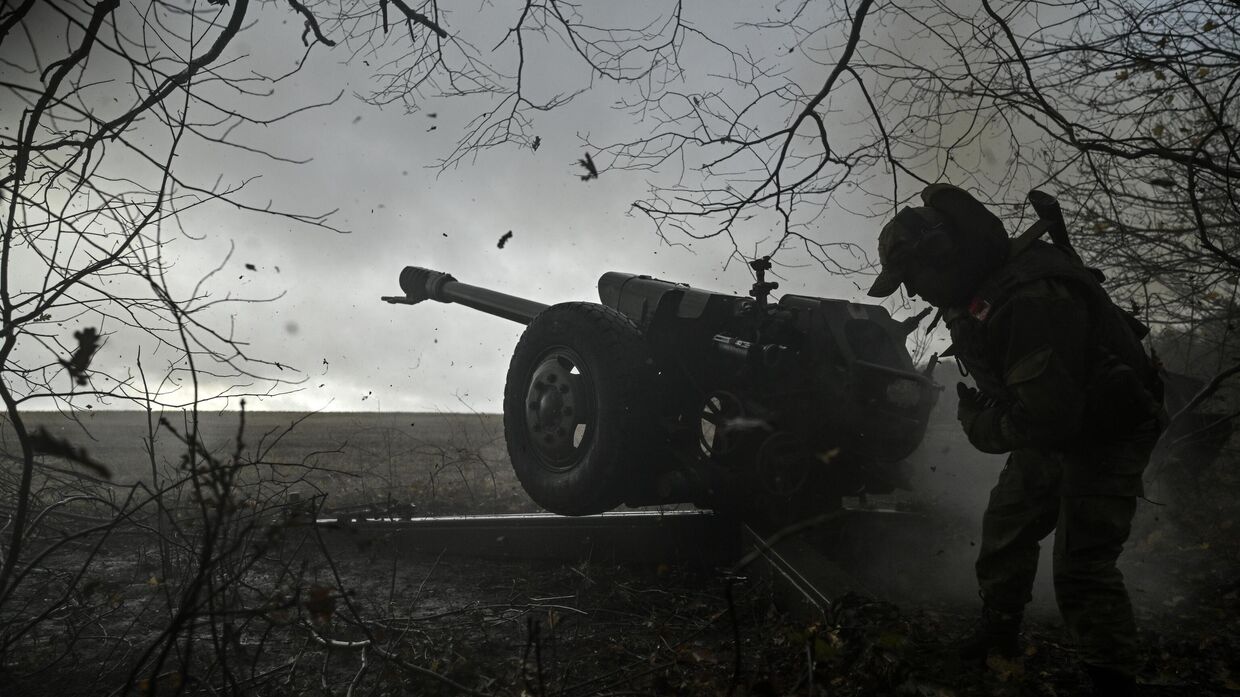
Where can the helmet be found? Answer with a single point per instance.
(953, 235)
(915, 235)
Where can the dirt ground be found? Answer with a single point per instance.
(313, 615)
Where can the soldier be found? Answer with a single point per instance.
(1064, 387)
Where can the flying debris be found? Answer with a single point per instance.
(591, 170)
(251, 267)
(537, 142)
(503, 240)
(79, 362)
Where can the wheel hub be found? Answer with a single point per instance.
(555, 407)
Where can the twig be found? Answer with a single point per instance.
(1205, 393)
(311, 23)
(357, 679)
(737, 661)
(389, 656)
(420, 18)
(532, 640)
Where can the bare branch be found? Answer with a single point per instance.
(311, 22)
(414, 16)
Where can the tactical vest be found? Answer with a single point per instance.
(1123, 389)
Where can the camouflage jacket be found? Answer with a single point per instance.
(1062, 367)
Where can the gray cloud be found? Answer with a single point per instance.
(371, 164)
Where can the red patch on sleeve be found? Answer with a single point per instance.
(979, 309)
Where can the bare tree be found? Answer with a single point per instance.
(765, 119)
(1126, 111)
(101, 101)
(93, 194)
(726, 124)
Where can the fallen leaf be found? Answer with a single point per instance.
(1005, 669)
(321, 603)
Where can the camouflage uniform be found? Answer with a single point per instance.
(1070, 394)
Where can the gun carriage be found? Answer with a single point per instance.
(664, 393)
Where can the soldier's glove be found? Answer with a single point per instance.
(981, 419)
(971, 403)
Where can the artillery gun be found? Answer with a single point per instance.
(665, 393)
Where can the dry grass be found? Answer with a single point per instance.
(274, 592)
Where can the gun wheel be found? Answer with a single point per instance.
(573, 408)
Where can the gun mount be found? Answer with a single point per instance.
(665, 393)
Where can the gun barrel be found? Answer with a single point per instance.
(424, 284)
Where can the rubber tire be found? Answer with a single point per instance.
(616, 364)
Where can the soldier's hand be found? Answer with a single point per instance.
(970, 404)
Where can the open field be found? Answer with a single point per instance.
(436, 462)
(450, 624)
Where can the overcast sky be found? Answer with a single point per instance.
(357, 353)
